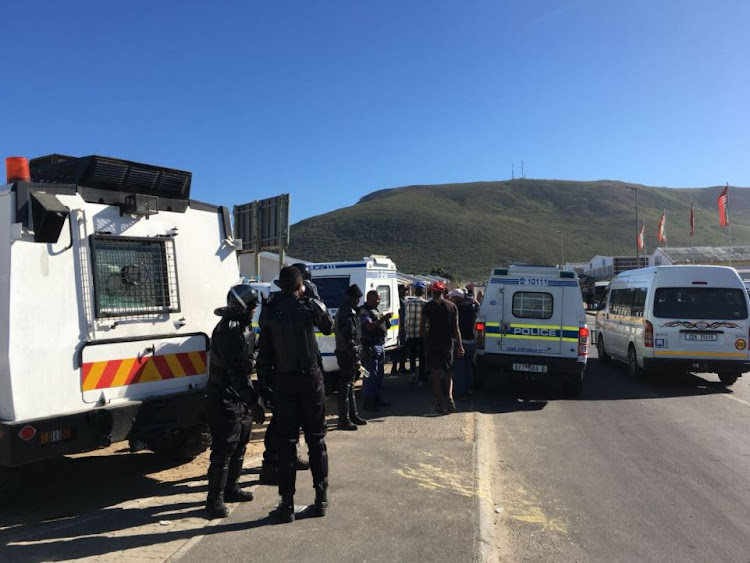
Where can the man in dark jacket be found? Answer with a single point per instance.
(374, 329)
(231, 399)
(288, 363)
(348, 353)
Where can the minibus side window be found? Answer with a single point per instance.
(639, 301)
(622, 302)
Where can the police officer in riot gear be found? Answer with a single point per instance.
(288, 363)
(349, 356)
(232, 400)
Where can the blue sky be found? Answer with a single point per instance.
(330, 100)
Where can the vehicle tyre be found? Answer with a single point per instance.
(183, 445)
(728, 377)
(634, 371)
(603, 356)
(480, 374)
(573, 385)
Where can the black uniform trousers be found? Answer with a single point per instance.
(416, 351)
(300, 402)
(230, 423)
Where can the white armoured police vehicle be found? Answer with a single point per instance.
(110, 275)
(689, 318)
(532, 322)
(371, 273)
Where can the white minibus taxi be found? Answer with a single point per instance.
(691, 318)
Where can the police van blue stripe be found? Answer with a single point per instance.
(336, 266)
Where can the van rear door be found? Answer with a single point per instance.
(533, 318)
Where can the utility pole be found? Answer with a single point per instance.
(637, 232)
(562, 250)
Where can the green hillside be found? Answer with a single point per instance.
(468, 228)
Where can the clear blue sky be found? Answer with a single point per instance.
(330, 100)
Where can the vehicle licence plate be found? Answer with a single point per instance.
(701, 337)
(530, 367)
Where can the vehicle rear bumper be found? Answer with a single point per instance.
(696, 364)
(99, 427)
(555, 366)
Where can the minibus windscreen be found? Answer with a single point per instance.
(709, 303)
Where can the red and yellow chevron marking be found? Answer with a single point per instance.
(116, 373)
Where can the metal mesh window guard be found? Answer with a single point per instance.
(134, 276)
(532, 305)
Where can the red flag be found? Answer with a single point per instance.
(661, 232)
(692, 220)
(724, 207)
(640, 237)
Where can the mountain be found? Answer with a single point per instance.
(466, 229)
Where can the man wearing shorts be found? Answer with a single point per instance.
(440, 329)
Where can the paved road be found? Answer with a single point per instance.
(632, 471)
(655, 470)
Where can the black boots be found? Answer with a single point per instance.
(269, 473)
(321, 502)
(232, 491)
(236, 494)
(269, 470)
(353, 415)
(344, 410)
(217, 481)
(284, 512)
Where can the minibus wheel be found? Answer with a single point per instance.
(603, 356)
(634, 370)
(727, 377)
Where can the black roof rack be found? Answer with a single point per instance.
(112, 174)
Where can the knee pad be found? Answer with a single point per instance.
(317, 447)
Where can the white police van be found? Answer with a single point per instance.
(532, 322)
(375, 272)
(689, 318)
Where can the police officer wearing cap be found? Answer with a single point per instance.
(349, 356)
(288, 361)
(232, 399)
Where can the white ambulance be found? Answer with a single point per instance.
(690, 318)
(532, 322)
(109, 275)
(373, 272)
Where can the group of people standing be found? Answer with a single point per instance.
(438, 334)
(290, 384)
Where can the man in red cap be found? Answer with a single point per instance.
(440, 329)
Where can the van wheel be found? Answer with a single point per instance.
(633, 370)
(183, 445)
(603, 356)
(480, 374)
(728, 377)
(573, 385)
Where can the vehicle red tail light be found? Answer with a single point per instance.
(648, 335)
(27, 433)
(479, 326)
(583, 341)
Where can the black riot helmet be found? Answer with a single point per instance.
(242, 298)
(304, 270)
